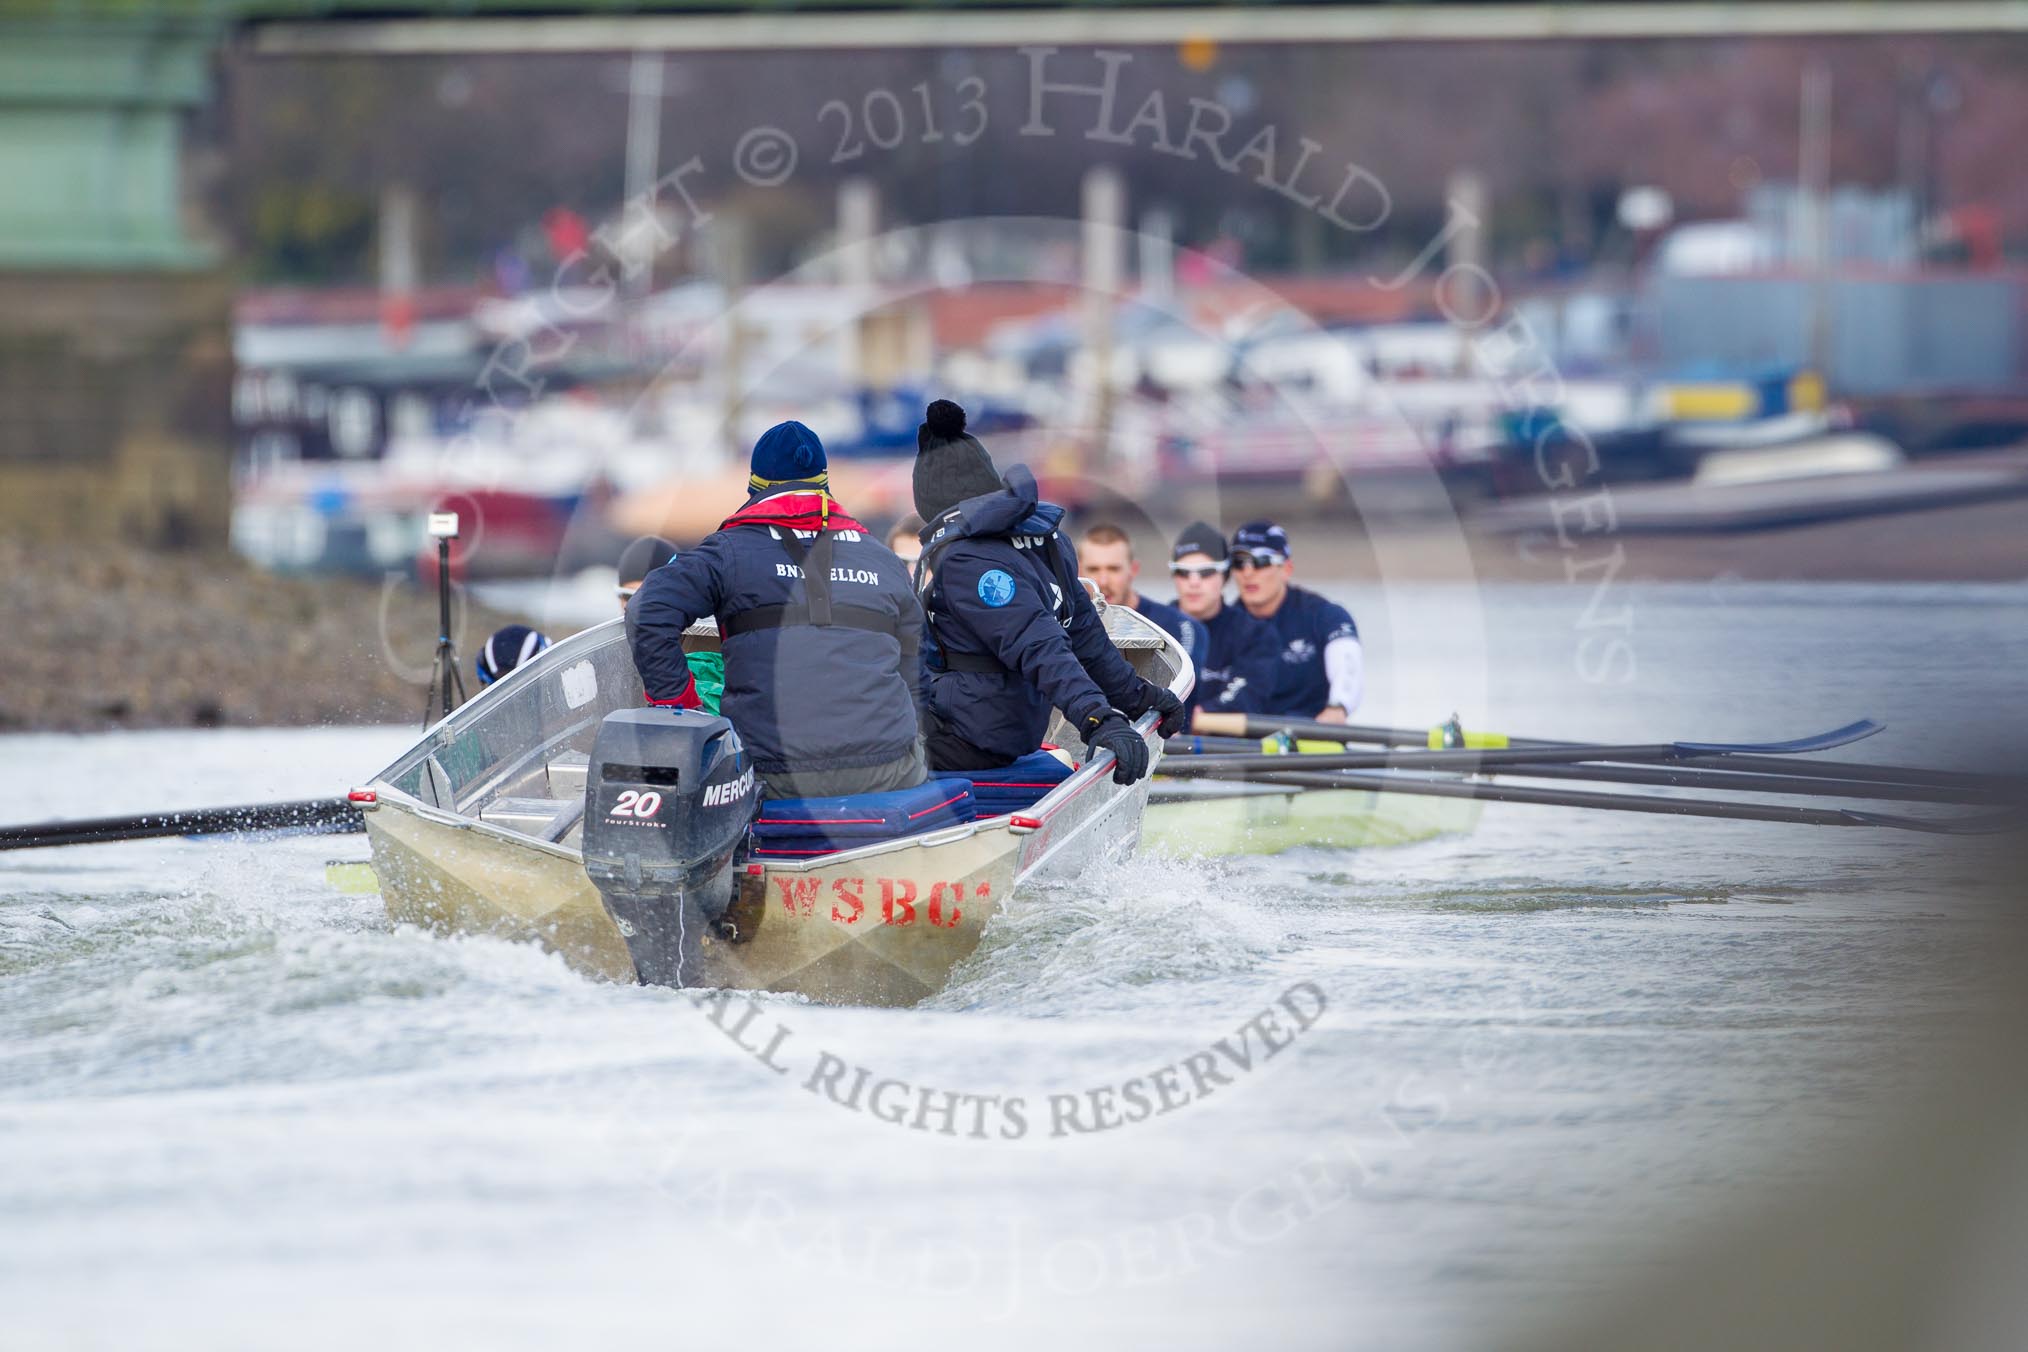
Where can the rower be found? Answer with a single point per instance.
(1319, 667)
(1010, 630)
(1106, 556)
(1237, 672)
(509, 647)
(818, 623)
(639, 559)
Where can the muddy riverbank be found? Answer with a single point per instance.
(106, 636)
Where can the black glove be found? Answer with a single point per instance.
(1158, 699)
(1130, 754)
(1161, 700)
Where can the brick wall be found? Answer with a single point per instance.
(115, 406)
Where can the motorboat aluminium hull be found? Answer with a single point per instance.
(883, 924)
(1202, 817)
(456, 875)
(879, 925)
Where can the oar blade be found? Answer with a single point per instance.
(1971, 824)
(1801, 746)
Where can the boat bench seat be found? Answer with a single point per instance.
(1013, 788)
(803, 828)
(567, 774)
(537, 817)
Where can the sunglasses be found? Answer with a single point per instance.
(624, 593)
(1201, 570)
(1257, 558)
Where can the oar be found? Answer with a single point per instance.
(1222, 749)
(1256, 726)
(309, 815)
(1743, 782)
(1634, 802)
(1468, 760)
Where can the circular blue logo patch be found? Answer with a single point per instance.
(996, 588)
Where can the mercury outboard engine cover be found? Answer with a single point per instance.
(668, 798)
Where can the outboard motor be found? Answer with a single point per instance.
(668, 797)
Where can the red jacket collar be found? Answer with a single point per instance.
(800, 510)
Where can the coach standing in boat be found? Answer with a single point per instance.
(1010, 632)
(818, 623)
(1237, 671)
(1319, 669)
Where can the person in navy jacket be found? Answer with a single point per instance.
(819, 625)
(1319, 669)
(1238, 667)
(1009, 630)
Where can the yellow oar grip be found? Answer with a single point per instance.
(1277, 745)
(1476, 741)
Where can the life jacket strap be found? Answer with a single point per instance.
(814, 558)
(974, 662)
(790, 616)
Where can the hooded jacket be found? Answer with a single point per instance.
(804, 694)
(1010, 632)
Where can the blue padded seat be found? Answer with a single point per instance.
(799, 828)
(1013, 788)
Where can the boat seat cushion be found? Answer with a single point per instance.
(801, 827)
(1012, 788)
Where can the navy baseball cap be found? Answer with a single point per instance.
(1262, 537)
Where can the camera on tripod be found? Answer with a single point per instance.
(447, 683)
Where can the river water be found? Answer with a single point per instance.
(238, 1109)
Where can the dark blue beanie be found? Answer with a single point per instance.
(787, 453)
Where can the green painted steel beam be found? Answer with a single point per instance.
(368, 27)
(1827, 15)
(90, 139)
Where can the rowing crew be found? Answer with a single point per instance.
(1283, 650)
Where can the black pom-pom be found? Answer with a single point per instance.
(945, 419)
